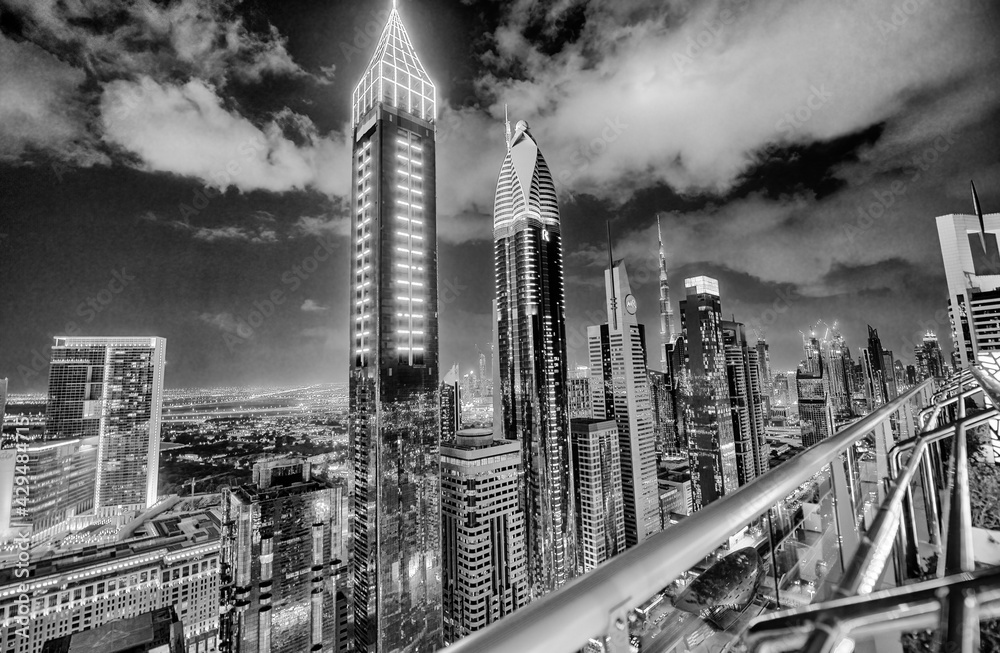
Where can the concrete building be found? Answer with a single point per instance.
(483, 532)
(598, 506)
(157, 631)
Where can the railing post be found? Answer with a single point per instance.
(844, 509)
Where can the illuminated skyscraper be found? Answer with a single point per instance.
(815, 409)
(600, 518)
(281, 544)
(621, 391)
(531, 374)
(878, 374)
(747, 403)
(485, 570)
(394, 405)
(703, 405)
(928, 357)
(111, 388)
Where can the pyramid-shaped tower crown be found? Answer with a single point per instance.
(395, 76)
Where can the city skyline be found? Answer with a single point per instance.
(152, 249)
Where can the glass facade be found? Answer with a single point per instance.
(531, 354)
(111, 388)
(600, 517)
(395, 416)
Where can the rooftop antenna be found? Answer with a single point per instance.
(506, 123)
(611, 269)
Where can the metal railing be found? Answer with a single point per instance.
(597, 604)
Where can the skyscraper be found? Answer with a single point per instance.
(485, 566)
(746, 402)
(815, 409)
(877, 372)
(280, 544)
(394, 407)
(666, 309)
(531, 370)
(703, 394)
(111, 388)
(600, 517)
(620, 390)
(929, 358)
(764, 372)
(973, 276)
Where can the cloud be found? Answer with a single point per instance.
(321, 225)
(221, 321)
(252, 234)
(185, 38)
(186, 130)
(310, 306)
(40, 108)
(688, 94)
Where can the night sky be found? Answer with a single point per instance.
(168, 168)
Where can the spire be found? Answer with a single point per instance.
(666, 310)
(979, 214)
(611, 271)
(506, 125)
(395, 76)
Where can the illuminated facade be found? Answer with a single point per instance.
(530, 368)
(666, 309)
(168, 561)
(815, 405)
(600, 516)
(929, 358)
(394, 403)
(282, 552)
(485, 565)
(746, 403)
(621, 391)
(111, 388)
(703, 404)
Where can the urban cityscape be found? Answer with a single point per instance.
(730, 380)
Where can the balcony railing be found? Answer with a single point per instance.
(852, 536)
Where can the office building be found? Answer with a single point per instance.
(621, 391)
(530, 375)
(394, 407)
(703, 396)
(877, 366)
(929, 358)
(483, 531)
(282, 553)
(157, 631)
(746, 402)
(662, 401)
(839, 367)
(600, 516)
(764, 373)
(111, 388)
(579, 397)
(451, 410)
(170, 560)
(60, 481)
(815, 406)
(973, 277)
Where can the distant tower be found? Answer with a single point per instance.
(666, 309)
(485, 570)
(394, 416)
(531, 361)
(111, 388)
(747, 403)
(620, 389)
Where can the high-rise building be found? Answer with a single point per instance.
(746, 403)
(485, 564)
(838, 363)
(666, 308)
(764, 372)
(973, 277)
(167, 560)
(451, 410)
(394, 407)
(781, 393)
(600, 516)
(815, 407)
(111, 388)
(877, 365)
(662, 402)
(579, 397)
(620, 389)
(929, 357)
(61, 476)
(282, 551)
(530, 376)
(703, 394)
(3, 399)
